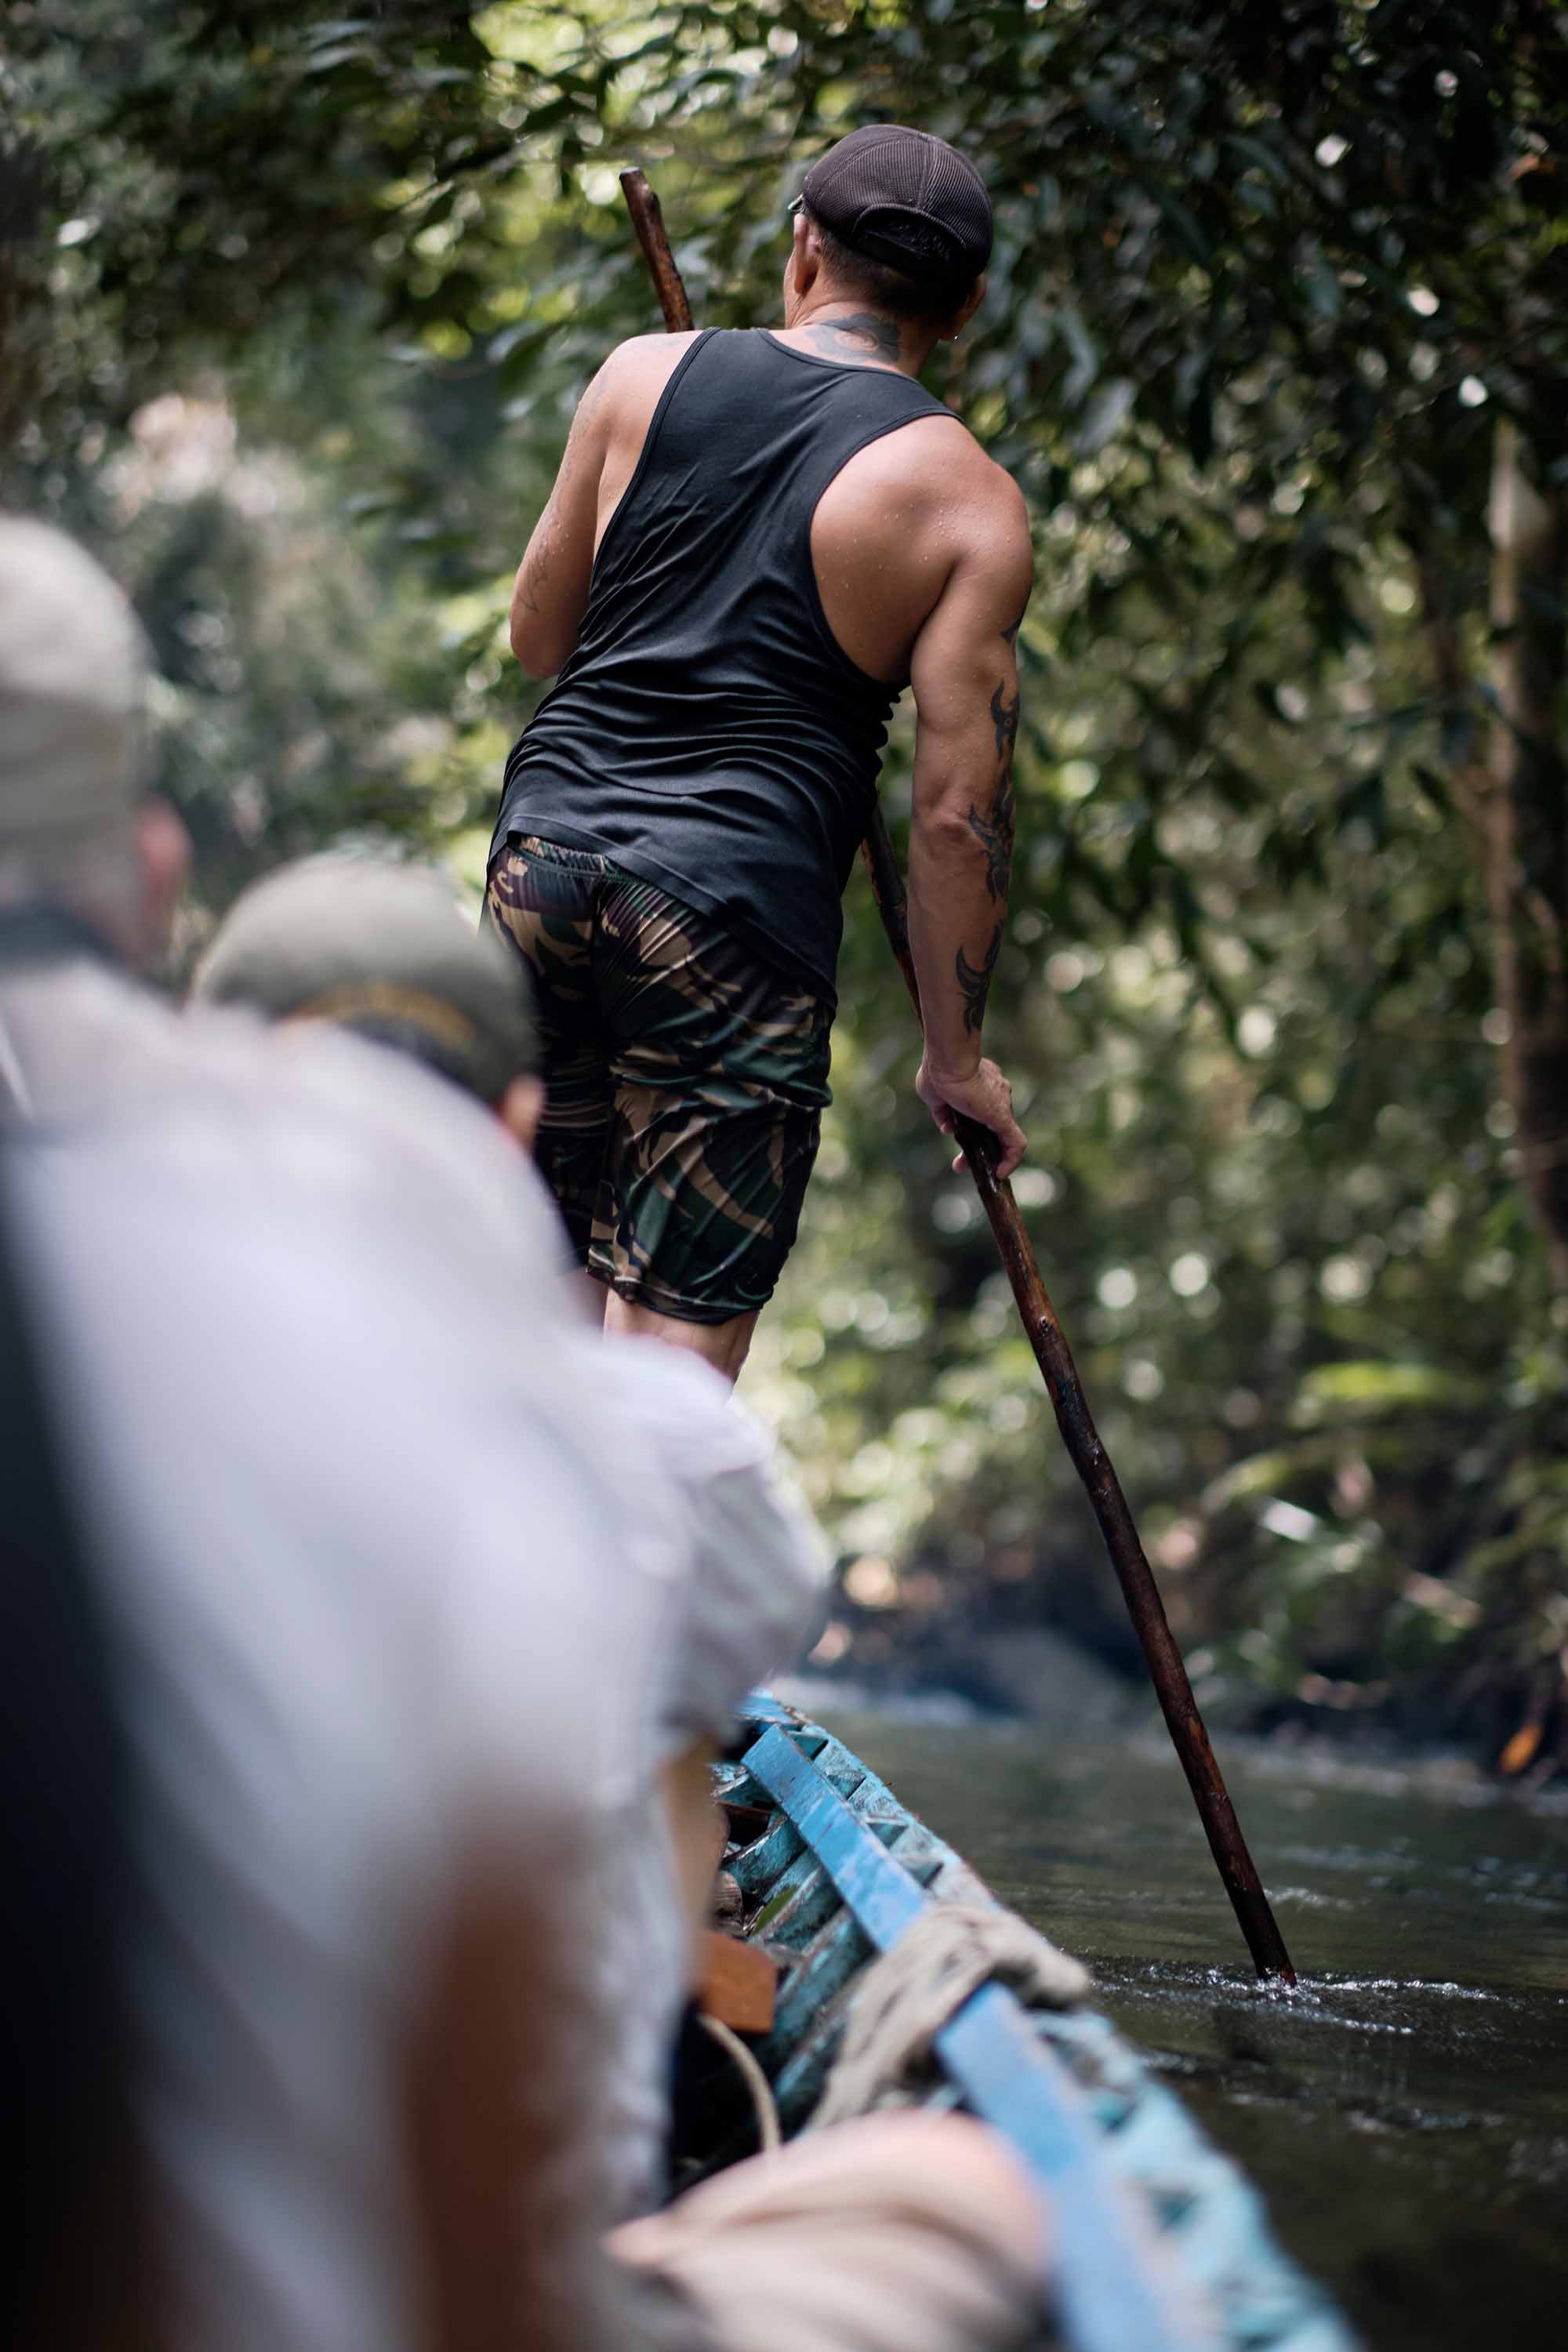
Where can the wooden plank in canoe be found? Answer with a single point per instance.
(737, 1983)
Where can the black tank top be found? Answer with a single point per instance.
(710, 733)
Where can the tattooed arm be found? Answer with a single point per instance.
(965, 679)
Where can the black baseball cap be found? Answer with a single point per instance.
(907, 198)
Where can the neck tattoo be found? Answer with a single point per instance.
(863, 335)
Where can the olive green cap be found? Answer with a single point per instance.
(383, 949)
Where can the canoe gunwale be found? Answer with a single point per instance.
(839, 1873)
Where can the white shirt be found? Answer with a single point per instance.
(391, 1539)
(370, 1592)
(339, 1660)
(742, 1569)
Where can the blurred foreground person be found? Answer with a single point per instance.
(65, 2059)
(364, 1726)
(366, 1857)
(897, 2233)
(384, 951)
(386, 1662)
(91, 866)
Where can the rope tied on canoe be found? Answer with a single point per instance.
(906, 1997)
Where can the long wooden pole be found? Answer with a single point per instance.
(647, 219)
(1089, 1459)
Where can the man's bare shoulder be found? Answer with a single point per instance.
(972, 521)
(917, 514)
(990, 495)
(985, 516)
(680, 340)
(998, 525)
(626, 391)
(941, 452)
(934, 475)
(644, 359)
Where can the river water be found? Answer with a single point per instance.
(1405, 2112)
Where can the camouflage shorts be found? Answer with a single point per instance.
(686, 1080)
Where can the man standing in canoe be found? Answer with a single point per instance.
(755, 540)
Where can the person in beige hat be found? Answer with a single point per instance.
(92, 864)
(892, 2234)
(84, 845)
(384, 950)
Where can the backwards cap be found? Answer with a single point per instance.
(73, 670)
(907, 198)
(384, 950)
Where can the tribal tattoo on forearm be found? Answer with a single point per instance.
(974, 982)
(994, 832)
(1005, 719)
(994, 828)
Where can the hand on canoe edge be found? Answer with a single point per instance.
(985, 1095)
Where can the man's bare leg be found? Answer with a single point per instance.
(723, 1345)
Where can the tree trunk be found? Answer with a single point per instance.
(1525, 827)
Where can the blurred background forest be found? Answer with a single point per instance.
(294, 308)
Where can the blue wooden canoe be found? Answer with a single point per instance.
(831, 1871)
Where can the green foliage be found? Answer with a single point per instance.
(301, 305)
(227, 169)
